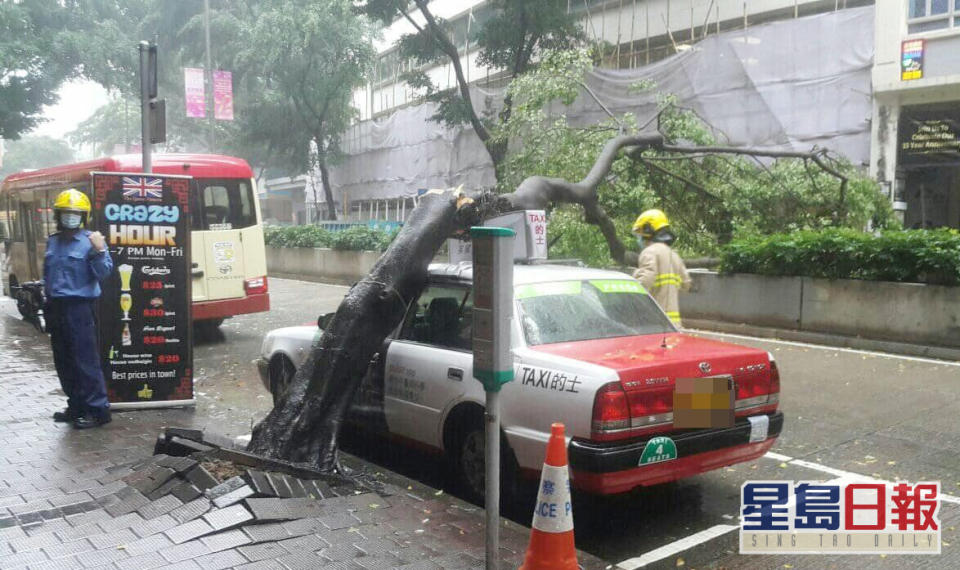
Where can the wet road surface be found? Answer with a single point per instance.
(846, 412)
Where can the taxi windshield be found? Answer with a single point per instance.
(566, 311)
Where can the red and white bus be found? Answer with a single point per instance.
(229, 261)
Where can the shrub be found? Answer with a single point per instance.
(918, 256)
(357, 238)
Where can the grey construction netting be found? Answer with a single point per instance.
(793, 84)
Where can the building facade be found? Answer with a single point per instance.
(915, 139)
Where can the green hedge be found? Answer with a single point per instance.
(918, 256)
(357, 238)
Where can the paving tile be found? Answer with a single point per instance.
(99, 557)
(225, 540)
(153, 526)
(301, 561)
(191, 510)
(259, 482)
(263, 551)
(310, 542)
(159, 507)
(220, 560)
(37, 542)
(146, 561)
(228, 486)
(112, 539)
(148, 544)
(125, 521)
(280, 485)
(188, 531)
(222, 519)
(233, 497)
(185, 551)
(263, 565)
(296, 487)
(340, 552)
(68, 548)
(164, 489)
(186, 491)
(266, 532)
(24, 558)
(201, 478)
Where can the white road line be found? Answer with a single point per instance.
(778, 457)
(945, 497)
(677, 547)
(834, 348)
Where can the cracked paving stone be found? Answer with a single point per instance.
(228, 486)
(225, 540)
(159, 507)
(223, 519)
(201, 478)
(188, 531)
(256, 552)
(233, 497)
(301, 561)
(191, 510)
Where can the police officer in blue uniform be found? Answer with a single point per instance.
(75, 263)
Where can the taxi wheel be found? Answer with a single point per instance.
(282, 372)
(468, 458)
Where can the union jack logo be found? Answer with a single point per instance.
(142, 187)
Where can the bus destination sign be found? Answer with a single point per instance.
(145, 322)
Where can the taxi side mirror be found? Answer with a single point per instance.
(323, 321)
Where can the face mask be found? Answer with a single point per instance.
(640, 241)
(70, 221)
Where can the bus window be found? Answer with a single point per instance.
(16, 231)
(224, 205)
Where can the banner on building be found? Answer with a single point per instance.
(146, 347)
(223, 95)
(194, 92)
(929, 135)
(911, 60)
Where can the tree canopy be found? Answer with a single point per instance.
(510, 42)
(34, 152)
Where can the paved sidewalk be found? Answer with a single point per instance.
(82, 499)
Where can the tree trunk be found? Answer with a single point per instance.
(327, 189)
(305, 425)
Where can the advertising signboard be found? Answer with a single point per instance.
(911, 60)
(145, 322)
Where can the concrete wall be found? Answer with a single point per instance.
(320, 263)
(899, 312)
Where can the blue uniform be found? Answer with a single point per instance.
(72, 272)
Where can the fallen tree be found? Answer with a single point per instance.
(305, 425)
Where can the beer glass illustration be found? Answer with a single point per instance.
(125, 271)
(126, 302)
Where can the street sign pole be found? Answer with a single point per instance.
(492, 358)
(145, 105)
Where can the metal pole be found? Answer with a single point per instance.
(492, 479)
(208, 76)
(147, 165)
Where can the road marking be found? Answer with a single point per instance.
(778, 457)
(677, 547)
(945, 497)
(834, 348)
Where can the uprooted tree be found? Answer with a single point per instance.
(304, 426)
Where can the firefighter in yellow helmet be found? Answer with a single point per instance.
(660, 269)
(74, 265)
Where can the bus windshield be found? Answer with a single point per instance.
(224, 204)
(567, 311)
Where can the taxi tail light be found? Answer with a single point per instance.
(774, 383)
(651, 407)
(255, 286)
(611, 412)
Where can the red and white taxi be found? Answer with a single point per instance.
(592, 350)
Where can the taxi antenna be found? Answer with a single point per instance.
(663, 343)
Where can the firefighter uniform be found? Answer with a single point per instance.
(72, 270)
(664, 275)
(659, 268)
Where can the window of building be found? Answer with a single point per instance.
(930, 15)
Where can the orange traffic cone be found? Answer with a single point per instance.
(551, 536)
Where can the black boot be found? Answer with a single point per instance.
(66, 416)
(91, 421)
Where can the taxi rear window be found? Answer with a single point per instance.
(567, 311)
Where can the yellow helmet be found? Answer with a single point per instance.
(72, 199)
(650, 222)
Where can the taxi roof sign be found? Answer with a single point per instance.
(529, 226)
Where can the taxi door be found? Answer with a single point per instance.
(430, 364)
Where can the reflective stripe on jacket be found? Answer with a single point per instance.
(664, 275)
